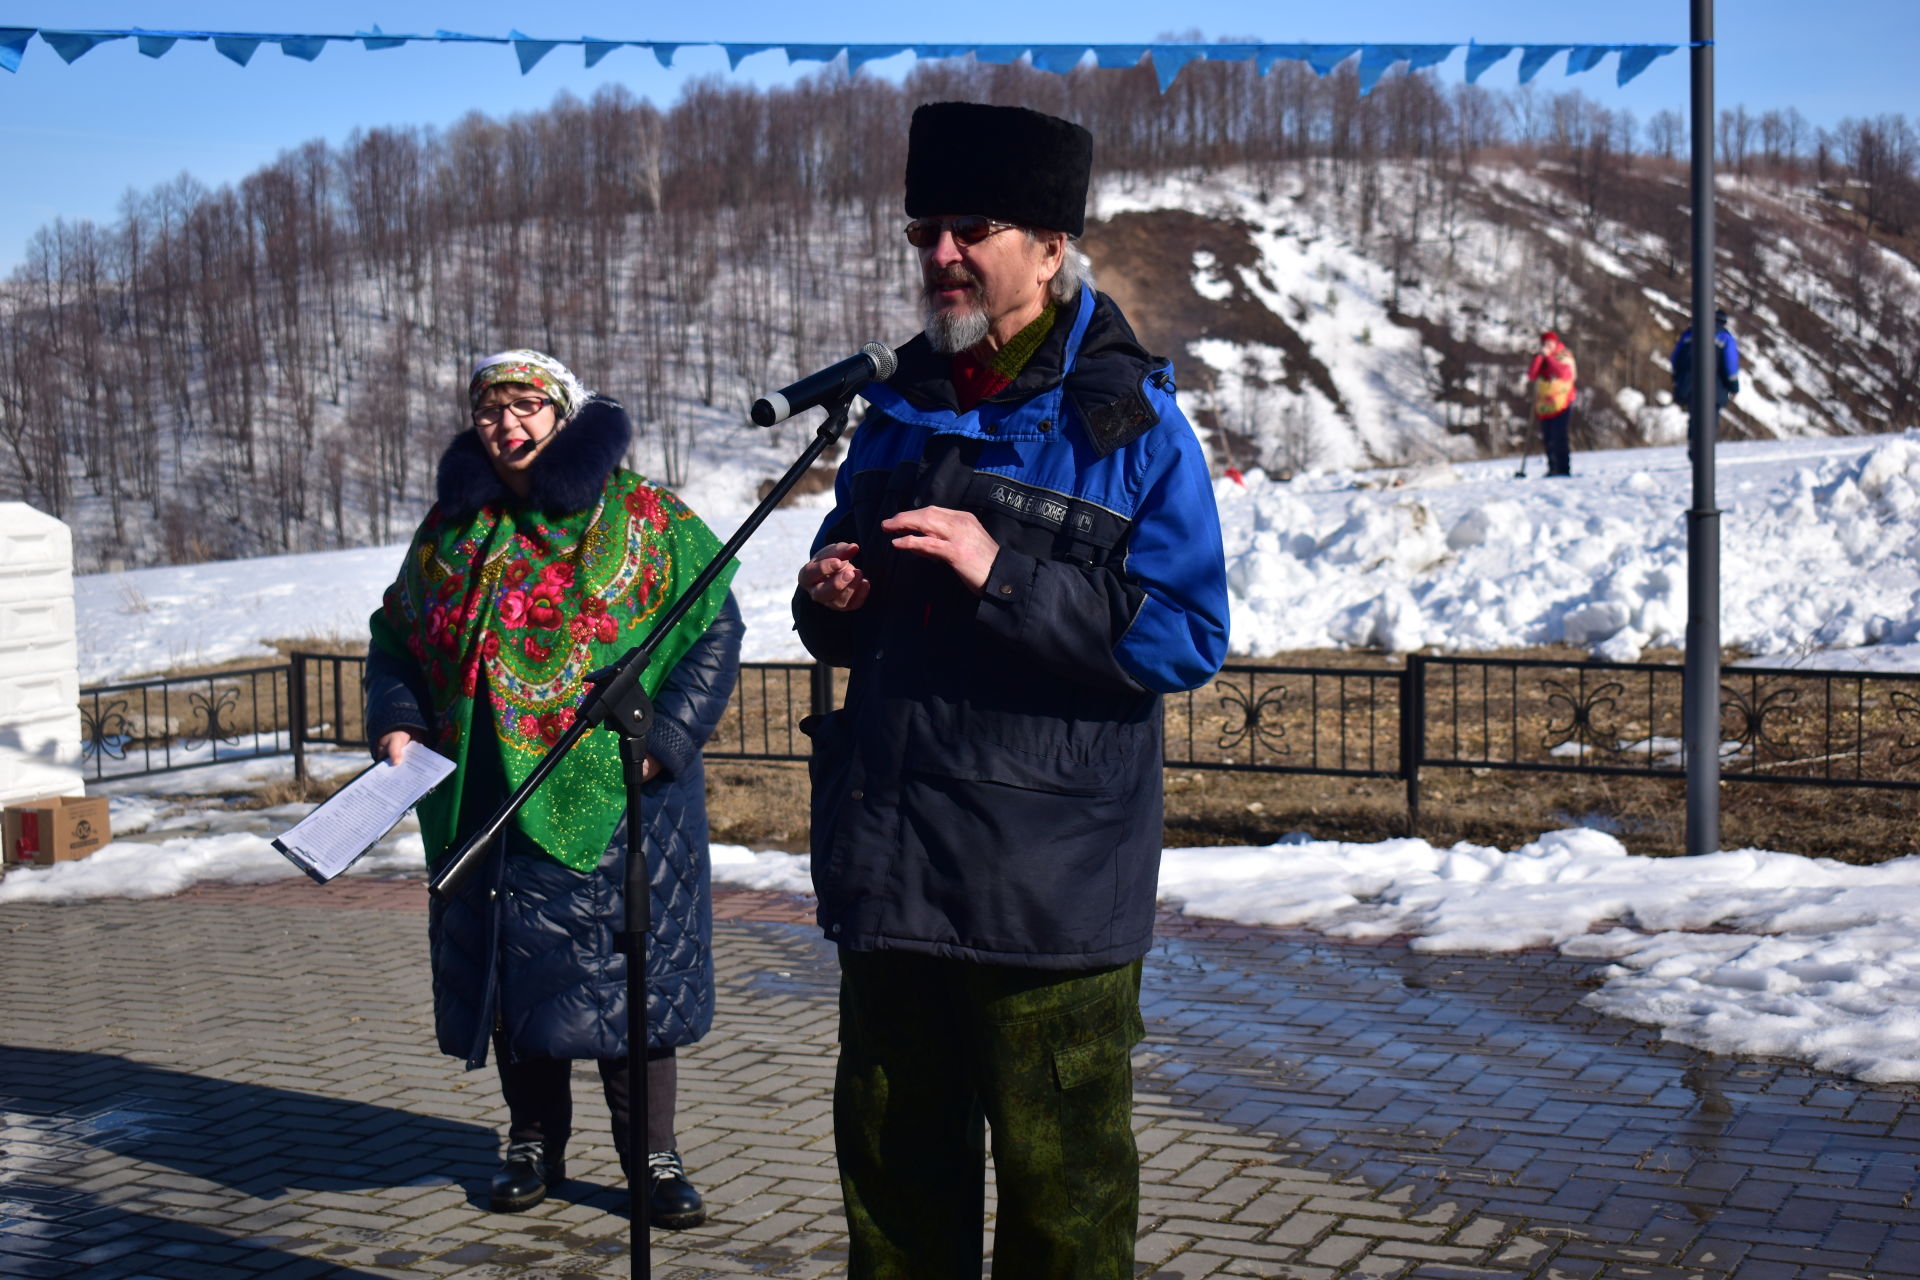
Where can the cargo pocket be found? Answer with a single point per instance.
(1094, 1095)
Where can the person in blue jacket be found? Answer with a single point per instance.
(1726, 363)
(1023, 556)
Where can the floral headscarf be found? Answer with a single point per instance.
(533, 369)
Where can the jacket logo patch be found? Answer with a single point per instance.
(1040, 506)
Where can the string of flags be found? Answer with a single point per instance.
(1167, 59)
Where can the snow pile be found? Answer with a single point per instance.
(1818, 552)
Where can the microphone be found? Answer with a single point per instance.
(876, 360)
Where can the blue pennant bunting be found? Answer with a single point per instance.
(1586, 57)
(1059, 58)
(859, 55)
(529, 50)
(240, 49)
(153, 46)
(1480, 57)
(812, 52)
(13, 44)
(1535, 56)
(73, 45)
(1323, 58)
(1272, 53)
(735, 52)
(1376, 60)
(999, 55)
(1635, 58)
(305, 48)
(1169, 59)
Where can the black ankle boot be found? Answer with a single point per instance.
(672, 1201)
(529, 1170)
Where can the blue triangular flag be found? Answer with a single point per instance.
(735, 52)
(1118, 57)
(1480, 57)
(1169, 59)
(153, 45)
(13, 44)
(597, 49)
(1422, 56)
(1323, 58)
(1231, 52)
(529, 50)
(812, 52)
(1635, 58)
(1585, 57)
(941, 50)
(1059, 58)
(1376, 60)
(376, 39)
(73, 45)
(999, 55)
(305, 48)
(239, 50)
(859, 55)
(1272, 53)
(1535, 56)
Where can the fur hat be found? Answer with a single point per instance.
(1008, 163)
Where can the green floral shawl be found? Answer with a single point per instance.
(531, 602)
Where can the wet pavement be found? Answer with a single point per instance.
(241, 1081)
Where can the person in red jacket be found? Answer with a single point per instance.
(1552, 374)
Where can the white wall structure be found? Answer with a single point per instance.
(39, 658)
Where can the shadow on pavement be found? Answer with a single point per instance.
(258, 1140)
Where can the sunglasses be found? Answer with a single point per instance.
(967, 230)
(525, 408)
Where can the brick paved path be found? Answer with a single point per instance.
(240, 1082)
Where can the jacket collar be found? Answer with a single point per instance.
(567, 476)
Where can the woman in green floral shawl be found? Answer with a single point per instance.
(541, 560)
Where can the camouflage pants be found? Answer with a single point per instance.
(929, 1048)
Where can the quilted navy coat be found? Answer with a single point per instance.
(528, 943)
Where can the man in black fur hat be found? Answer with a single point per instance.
(1023, 556)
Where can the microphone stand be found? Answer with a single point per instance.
(618, 701)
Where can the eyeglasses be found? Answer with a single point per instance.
(967, 230)
(487, 415)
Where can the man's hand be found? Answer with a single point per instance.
(953, 537)
(832, 579)
(393, 745)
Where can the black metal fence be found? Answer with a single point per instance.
(1778, 725)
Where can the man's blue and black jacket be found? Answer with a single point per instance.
(991, 789)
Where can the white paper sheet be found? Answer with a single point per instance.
(326, 841)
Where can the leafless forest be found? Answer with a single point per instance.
(273, 366)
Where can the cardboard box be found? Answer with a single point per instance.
(38, 833)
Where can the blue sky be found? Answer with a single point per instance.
(74, 138)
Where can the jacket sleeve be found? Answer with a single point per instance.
(396, 697)
(828, 634)
(1156, 618)
(694, 695)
